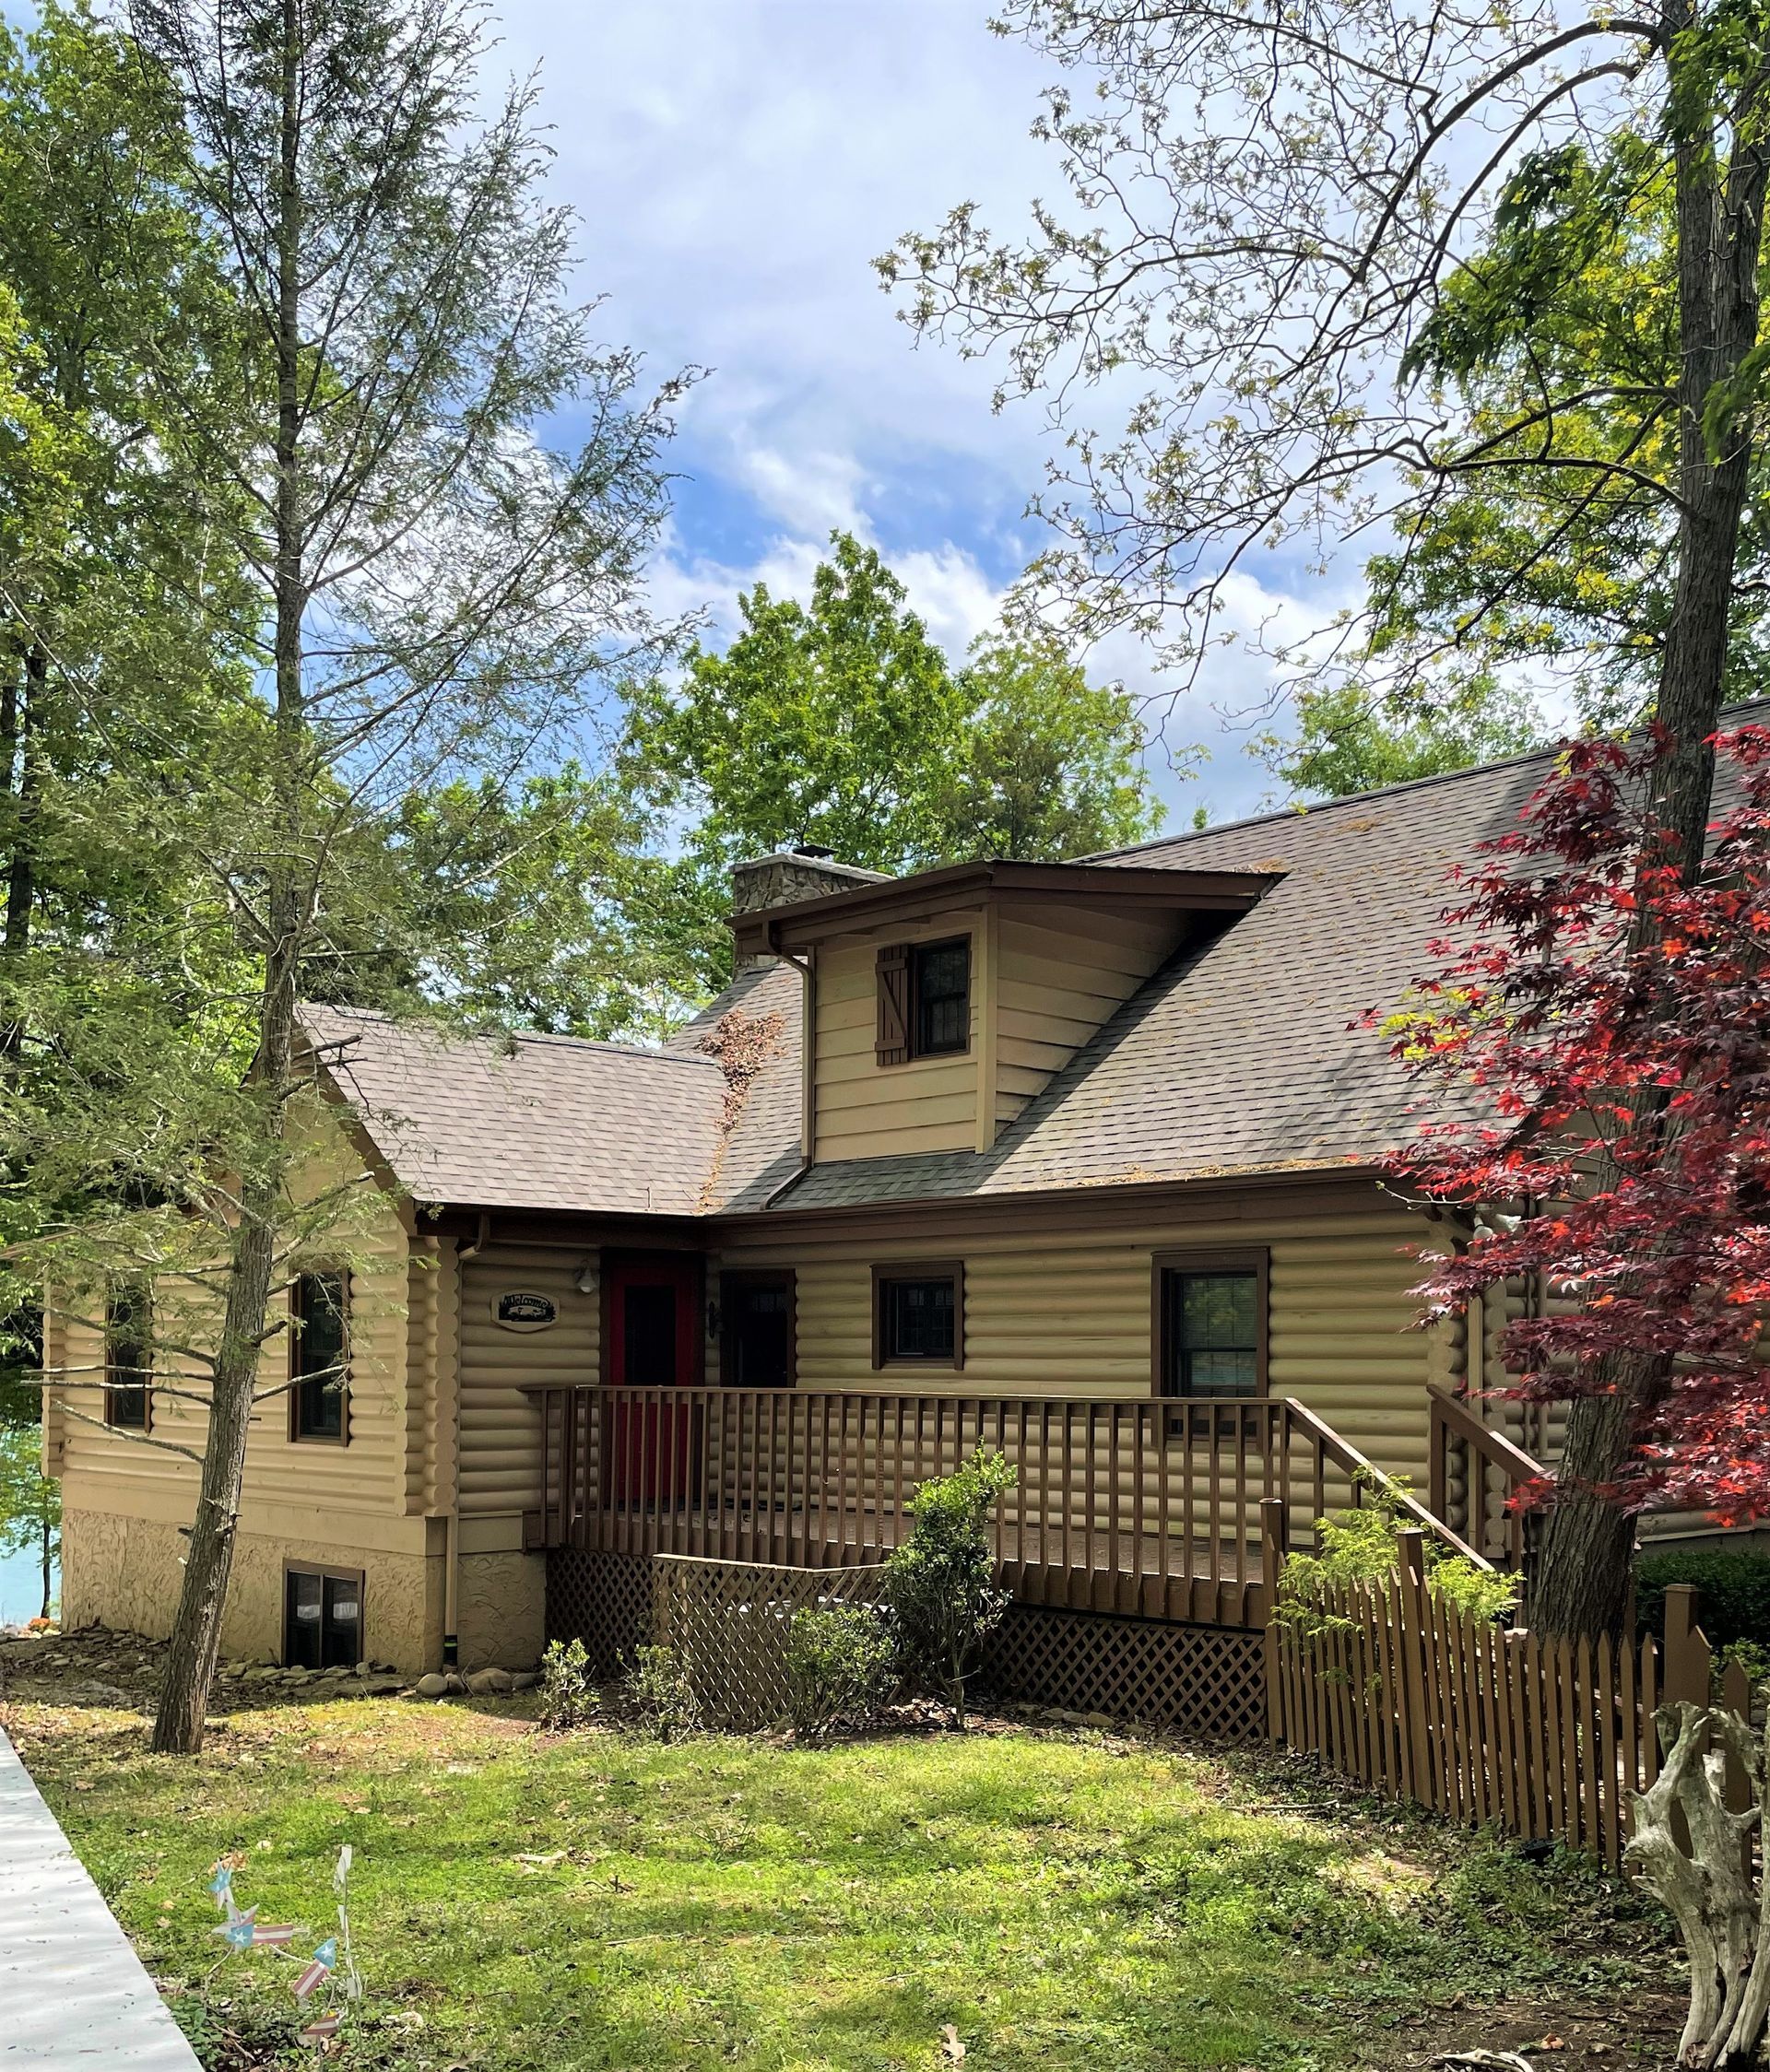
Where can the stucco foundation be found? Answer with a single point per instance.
(501, 1611)
(124, 1573)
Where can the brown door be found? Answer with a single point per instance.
(654, 1336)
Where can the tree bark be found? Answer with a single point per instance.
(1582, 1581)
(197, 1634)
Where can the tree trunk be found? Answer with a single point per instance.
(196, 1634)
(20, 723)
(49, 1591)
(1582, 1581)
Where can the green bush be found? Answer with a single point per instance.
(661, 1692)
(840, 1666)
(1360, 1544)
(1733, 1603)
(567, 1698)
(941, 1584)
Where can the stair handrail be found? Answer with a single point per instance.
(1451, 1415)
(1361, 1469)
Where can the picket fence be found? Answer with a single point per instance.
(1484, 1723)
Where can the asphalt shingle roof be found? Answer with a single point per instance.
(1244, 1055)
(547, 1122)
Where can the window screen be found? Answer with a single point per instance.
(127, 1357)
(322, 1620)
(319, 1357)
(1213, 1332)
(918, 1319)
(942, 988)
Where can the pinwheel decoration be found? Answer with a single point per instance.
(328, 1981)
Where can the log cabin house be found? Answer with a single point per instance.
(1078, 1160)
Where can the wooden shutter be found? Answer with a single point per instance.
(892, 1043)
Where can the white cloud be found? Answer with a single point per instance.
(738, 164)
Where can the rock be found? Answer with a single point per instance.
(1104, 1720)
(457, 1684)
(261, 1674)
(100, 1694)
(296, 1676)
(364, 1667)
(384, 1686)
(435, 1685)
(524, 1681)
(487, 1683)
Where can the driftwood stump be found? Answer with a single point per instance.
(1725, 1925)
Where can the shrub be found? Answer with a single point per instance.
(1361, 1546)
(567, 1698)
(662, 1693)
(940, 1582)
(1733, 1603)
(840, 1665)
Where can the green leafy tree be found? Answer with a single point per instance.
(1049, 765)
(842, 724)
(833, 723)
(546, 906)
(1349, 739)
(434, 595)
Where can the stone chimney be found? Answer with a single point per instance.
(789, 876)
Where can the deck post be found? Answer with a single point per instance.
(1275, 1534)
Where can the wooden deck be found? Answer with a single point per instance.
(1160, 1508)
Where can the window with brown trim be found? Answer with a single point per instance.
(319, 1358)
(322, 1626)
(919, 1314)
(923, 1000)
(128, 1357)
(757, 1329)
(1210, 1324)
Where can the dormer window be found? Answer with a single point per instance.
(923, 1000)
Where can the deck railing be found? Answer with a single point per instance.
(1475, 1473)
(1163, 1508)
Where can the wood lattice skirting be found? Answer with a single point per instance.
(727, 1620)
(604, 1600)
(1207, 1680)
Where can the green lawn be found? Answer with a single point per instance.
(1061, 1900)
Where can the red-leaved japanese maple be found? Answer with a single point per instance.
(1612, 1022)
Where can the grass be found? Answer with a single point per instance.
(1061, 1901)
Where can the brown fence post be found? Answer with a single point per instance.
(1407, 1619)
(1686, 1676)
(1275, 1531)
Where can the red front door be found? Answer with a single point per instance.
(654, 1336)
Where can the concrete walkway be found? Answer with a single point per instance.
(72, 1993)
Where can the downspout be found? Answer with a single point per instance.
(452, 1549)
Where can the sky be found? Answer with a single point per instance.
(737, 165)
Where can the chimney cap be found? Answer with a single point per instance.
(816, 849)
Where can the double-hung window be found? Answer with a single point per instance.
(128, 1357)
(319, 1358)
(1210, 1324)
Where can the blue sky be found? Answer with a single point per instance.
(737, 165)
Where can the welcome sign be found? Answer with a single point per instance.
(521, 1309)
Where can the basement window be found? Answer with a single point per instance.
(323, 1618)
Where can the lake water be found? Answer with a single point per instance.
(21, 1588)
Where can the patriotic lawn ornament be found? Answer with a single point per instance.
(329, 1978)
